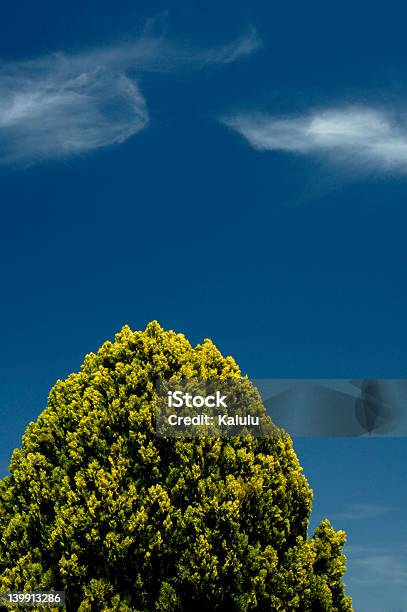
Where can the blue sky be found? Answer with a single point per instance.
(234, 171)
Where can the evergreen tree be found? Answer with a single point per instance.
(122, 520)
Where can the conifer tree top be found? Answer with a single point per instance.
(99, 506)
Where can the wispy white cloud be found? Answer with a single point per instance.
(229, 53)
(60, 112)
(391, 569)
(62, 105)
(358, 137)
(155, 52)
(362, 511)
(377, 565)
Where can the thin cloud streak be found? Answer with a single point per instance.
(361, 512)
(58, 113)
(389, 568)
(62, 105)
(376, 565)
(357, 137)
(157, 53)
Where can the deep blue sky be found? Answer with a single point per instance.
(294, 266)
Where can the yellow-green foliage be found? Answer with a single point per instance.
(120, 519)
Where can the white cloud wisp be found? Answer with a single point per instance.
(362, 512)
(59, 113)
(63, 105)
(357, 137)
(53, 109)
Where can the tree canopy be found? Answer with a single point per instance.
(98, 505)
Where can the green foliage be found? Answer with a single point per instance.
(99, 506)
